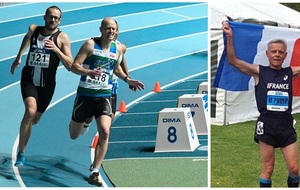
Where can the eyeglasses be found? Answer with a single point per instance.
(53, 17)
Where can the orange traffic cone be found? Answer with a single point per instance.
(95, 141)
(122, 107)
(157, 87)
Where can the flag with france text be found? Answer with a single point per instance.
(250, 42)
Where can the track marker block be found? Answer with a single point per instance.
(198, 103)
(203, 88)
(176, 131)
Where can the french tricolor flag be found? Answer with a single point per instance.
(250, 42)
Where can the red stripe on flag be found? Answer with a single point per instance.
(295, 61)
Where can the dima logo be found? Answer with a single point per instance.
(170, 120)
(190, 105)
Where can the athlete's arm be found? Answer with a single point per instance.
(84, 52)
(24, 45)
(124, 65)
(243, 66)
(120, 73)
(63, 51)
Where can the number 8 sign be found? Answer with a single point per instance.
(176, 131)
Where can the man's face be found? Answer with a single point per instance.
(52, 19)
(109, 30)
(276, 54)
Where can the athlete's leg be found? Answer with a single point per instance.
(290, 154)
(103, 125)
(37, 118)
(81, 110)
(267, 153)
(88, 120)
(75, 129)
(86, 125)
(26, 123)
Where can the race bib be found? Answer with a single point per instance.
(101, 81)
(277, 101)
(39, 58)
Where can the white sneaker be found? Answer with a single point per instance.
(84, 130)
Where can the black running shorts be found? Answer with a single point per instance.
(43, 95)
(277, 132)
(85, 107)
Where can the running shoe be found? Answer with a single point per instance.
(84, 130)
(20, 159)
(94, 179)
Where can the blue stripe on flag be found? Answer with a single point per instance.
(245, 38)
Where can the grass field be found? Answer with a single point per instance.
(235, 158)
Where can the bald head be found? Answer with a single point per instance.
(109, 28)
(106, 21)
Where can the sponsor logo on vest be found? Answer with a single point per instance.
(277, 86)
(39, 51)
